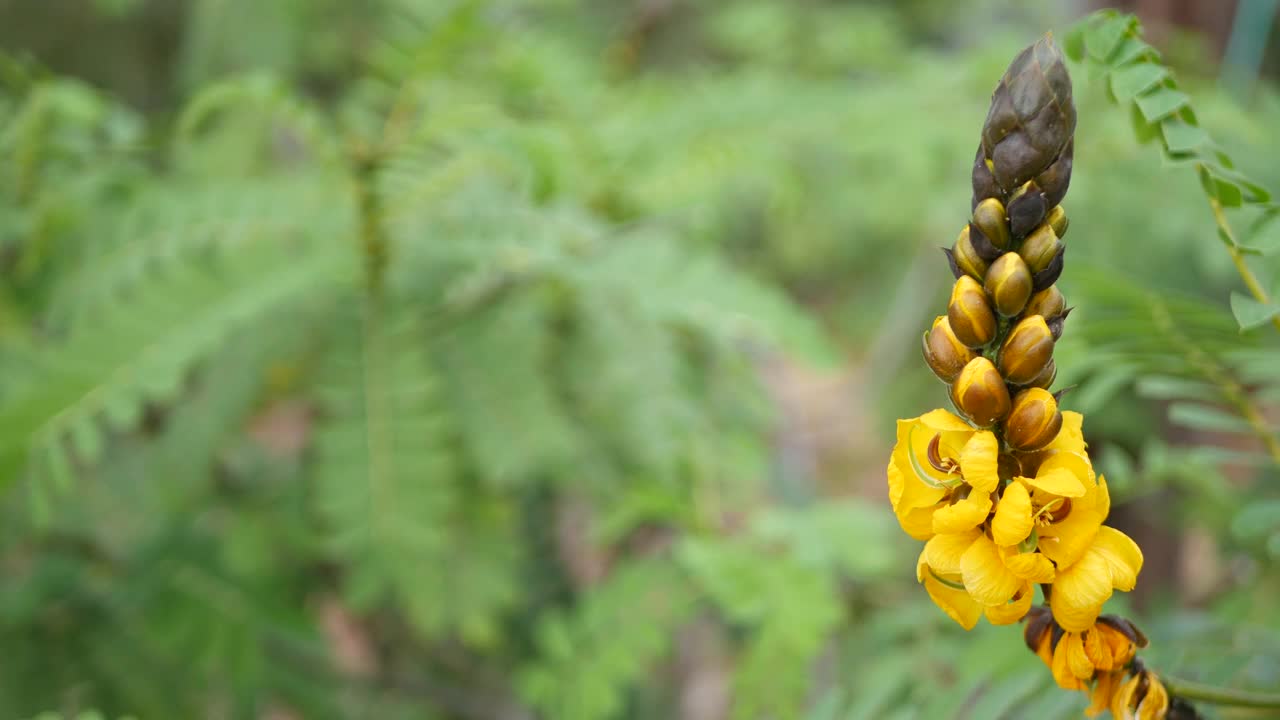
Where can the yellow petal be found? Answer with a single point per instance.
(1061, 668)
(1013, 522)
(1156, 704)
(1096, 649)
(1122, 703)
(1033, 566)
(918, 522)
(906, 489)
(1077, 658)
(1014, 610)
(943, 552)
(1122, 555)
(1061, 474)
(963, 516)
(1102, 503)
(978, 461)
(1071, 436)
(985, 576)
(941, 420)
(1065, 541)
(1103, 690)
(954, 602)
(1079, 592)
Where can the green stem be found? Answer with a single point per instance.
(1219, 695)
(1237, 258)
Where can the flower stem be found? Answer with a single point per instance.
(1219, 695)
(1233, 249)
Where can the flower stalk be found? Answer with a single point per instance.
(1003, 492)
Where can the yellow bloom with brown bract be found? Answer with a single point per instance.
(941, 475)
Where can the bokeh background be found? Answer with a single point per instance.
(515, 359)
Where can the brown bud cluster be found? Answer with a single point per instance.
(994, 346)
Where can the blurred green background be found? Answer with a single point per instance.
(520, 359)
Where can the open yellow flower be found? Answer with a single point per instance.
(1111, 562)
(941, 475)
(965, 577)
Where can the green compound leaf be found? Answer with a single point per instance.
(1250, 313)
(1161, 102)
(1136, 78)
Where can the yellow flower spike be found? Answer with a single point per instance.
(979, 461)
(984, 574)
(1014, 610)
(948, 594)
(943, 552)
(1013, 521)
(1030, 566)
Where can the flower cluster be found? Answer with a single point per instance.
(1003, 492)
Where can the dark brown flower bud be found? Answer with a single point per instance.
(990, 219)
(1048, 303)
(984, 183)
(1008, 282)
(943, 351)
(1027, 209)
(1053, 182)
(1046, 377)
(980, 393)
(1032, 116)
(1057, 220)
(1051, 273)
(1034, 420)
(1040, 247)
(967, 259)
(1057, 324)
(1026, 350)
(970, 314)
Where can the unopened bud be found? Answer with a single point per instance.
(943, 351)
(984, 183)
(1027, 209)
(980, 393)
(1026, 350)
(1056, 324)
(990, 219)
(1057, 219)
(1034, 420)
(1040, 247)
(1046, 377)
(1048, 303)
(970, 314)
(1055, 180)
(1051, 273)
(966, 258)
(1008, 282)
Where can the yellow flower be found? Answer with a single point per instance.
(1142, 697)
(1096, 659)
(964, 576)
(1111, 562)
(941, 475)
